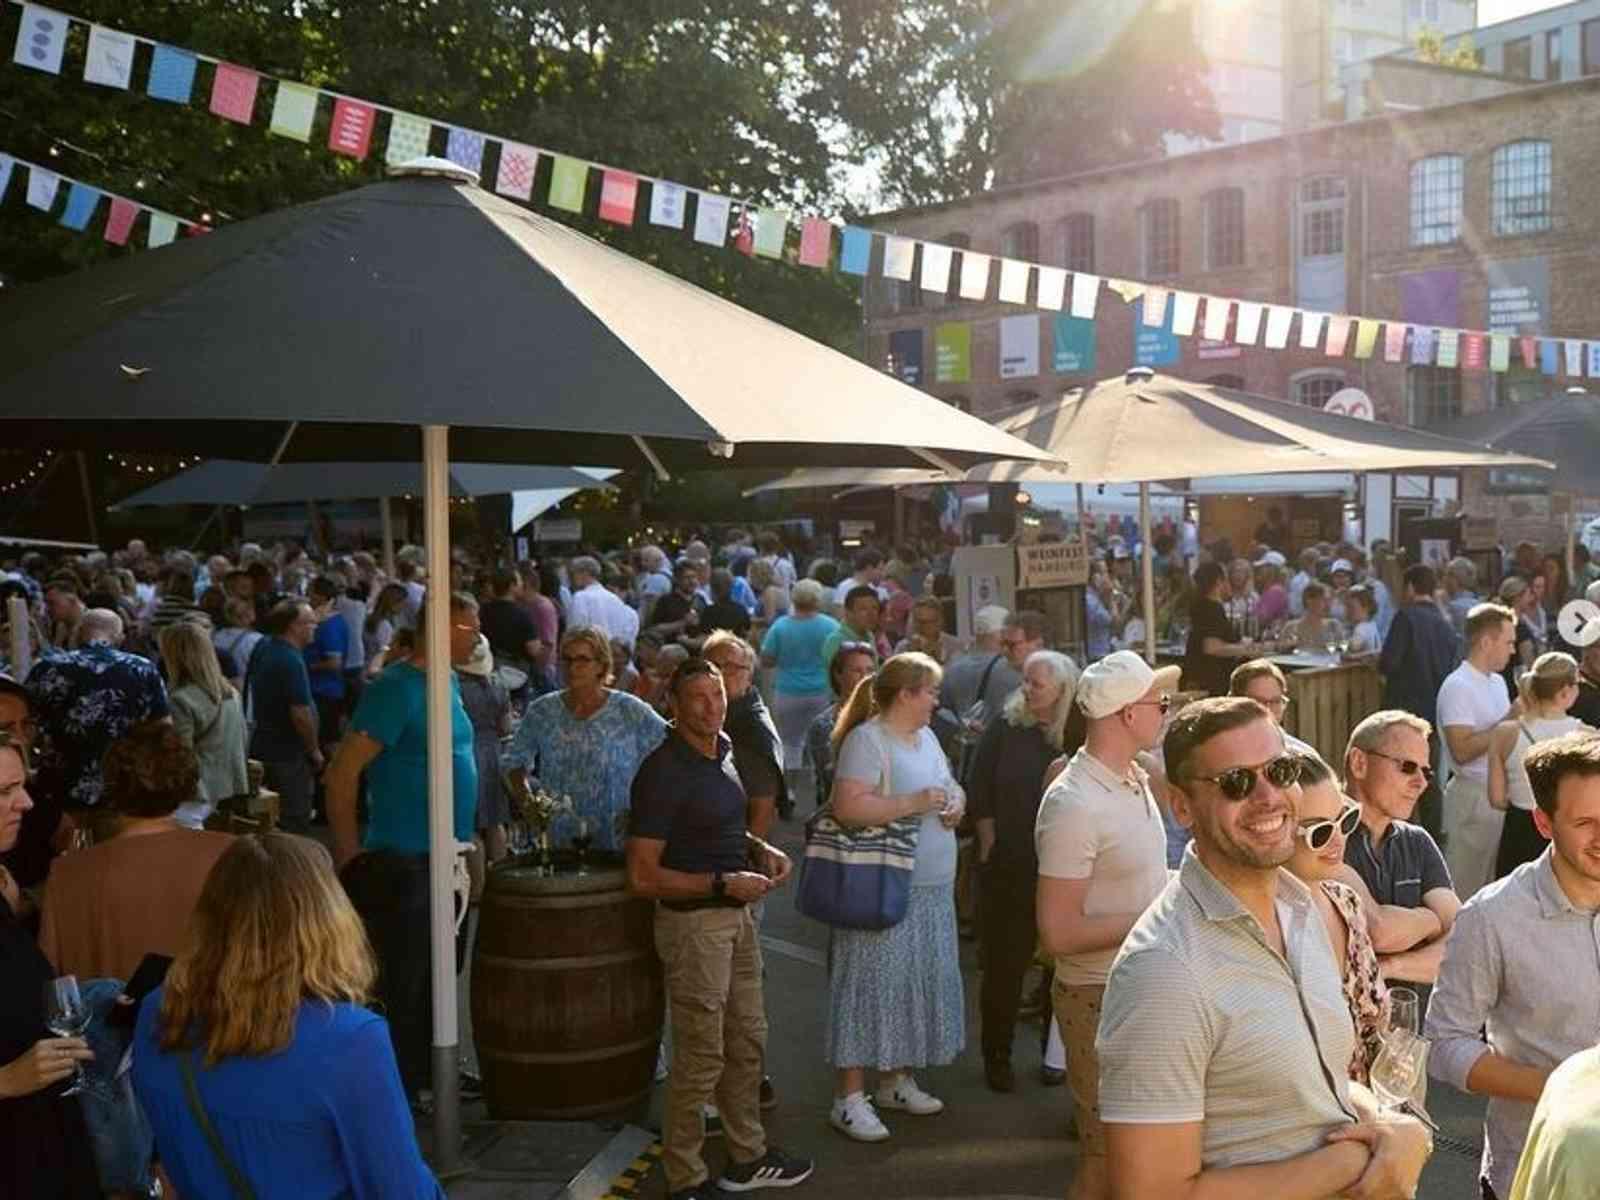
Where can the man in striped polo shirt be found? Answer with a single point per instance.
(1224, 1036)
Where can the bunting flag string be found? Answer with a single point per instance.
(232, 92)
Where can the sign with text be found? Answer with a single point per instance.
(1154, 345)
(905, 349)
(562, 529)
(1519, 295)
(1052, 565)
(952, 352)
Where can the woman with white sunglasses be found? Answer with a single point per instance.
(1327, 818)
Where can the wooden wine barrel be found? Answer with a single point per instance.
(567, 998)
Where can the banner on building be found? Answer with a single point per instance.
(905, 350)
(1019, 347)
(1074, 343)
(1154, 345)
(952, 352)
(1052, 564)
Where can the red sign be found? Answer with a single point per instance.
(352, 128)
(1474, 352)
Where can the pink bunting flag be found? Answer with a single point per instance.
(120, 223)
(517, 166)
(816, 242)
(1530, 352)
(233, 93)
(1394, 342)
(351, 132)
(1474, 352)
(619, 191)
(1338, 337)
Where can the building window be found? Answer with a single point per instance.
(1425, 10)
(1314, 390)
(1077, 242)
(1020, 241)
(1322, 216)
(1521, 176)
(1519, 385)
(1224, 227)
(1552, 54)
(1436, 200)
(1518, 58)
(1159, 226)
(1435, 394)
(1591, 47)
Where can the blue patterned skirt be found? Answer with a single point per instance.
(894, 995)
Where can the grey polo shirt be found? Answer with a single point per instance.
(1523, 964)
(1203, 1021)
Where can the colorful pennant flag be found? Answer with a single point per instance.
(936, 263)
(816, 242)
(42, 187)
(1423, 341)
(1218, 311)
(465, 148)
(974, 275)
(952, 352)
(1394, 342)
(1499, 352)
(1279, 320)
(1572, 352)
(294, 111)
(855, 250)
(1074, 346)
(772, 230)
(1474, 352)
(1310, 330)
(1549, 356)
(1085, 295)
(1127, 289)
(1185, 308)
(41, 38)
(1248, 326)
(1366, 337)
(120, 223)
(7, 165)
(1155, 306)
(1019, 347)
(1052, 288)
(899, 255)
(619, 195)
(711, 220)
(171, 75)
(1530, 352)
(351, 132)
(668, 204)
(1449, 347)
(1594, 360)
(233, 93)
(1014, 281)
(409, 137)
(569, 187)
(82, 200)
(1338, 337)
(162, 230)
(110, 60)
(744, 234)
(518, 165)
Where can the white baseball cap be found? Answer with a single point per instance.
(1114, 682)
(1342, 564)
(1271, 559)
(989, 619)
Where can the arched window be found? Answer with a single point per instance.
(1436, 200)
(1314, 388)
(1076, 233)
(1322, 203)
(1521, 194)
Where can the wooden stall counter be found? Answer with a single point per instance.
(1327, 701)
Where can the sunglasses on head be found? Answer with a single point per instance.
(1408, 766)
(1238, 782)
(1319, 833)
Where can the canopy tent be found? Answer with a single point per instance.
(426, 302)
(528, 505)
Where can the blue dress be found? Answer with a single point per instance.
(321, 1120)
(593, 761)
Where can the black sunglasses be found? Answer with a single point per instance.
(1408, 766)
(1238, 782)
(1319, 833)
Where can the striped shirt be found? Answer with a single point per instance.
(1203, 1021)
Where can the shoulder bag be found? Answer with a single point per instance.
(857, 878)
(237, 1183)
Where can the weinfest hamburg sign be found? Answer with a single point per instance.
(1052, 565)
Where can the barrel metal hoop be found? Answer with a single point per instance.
(571, 1056)
(583, 962)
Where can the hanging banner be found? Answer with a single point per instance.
(936, 263)
(1431, 297)
(1549, 357)
(120, 223)
(952, 352)
(409, 137)
(569, 184)
(1499, 352)
(82, 200)
(1278, 322)
(1338, 336)
(233, 93)
(1423, 342)
(668, 204)
(1248, 326)
(1449, 347)
(294, 111)
(1013, 281)
(619, 193)
(1052, 289)
(1154, 345)
(974, 275)
(110, 60)
(1519, 295)
(855, 250)
(351, 132)
(162, 230)
(1185, 308)
(711, 219)
(1218, 311)
(1155, 305)
(816, 242)
(1394, 342)
(1366, 337)
(1310, 330)
(1529, 346)
(1019, 347)
(465, 149)
(899, 256)
(772, 229)
(171, 75)
(1572, 352)
(1073, 346)
(1085, 295)
(514, 176)
(1594, 360)
(42, 188)
(7, 165)
(905, 353)
(1474, 352)
(41, 38)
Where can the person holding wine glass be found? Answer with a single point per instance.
(43, 1141)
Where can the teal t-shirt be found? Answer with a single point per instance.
(796, 643)
(393, 710)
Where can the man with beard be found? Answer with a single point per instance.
(1225, 1037)
(1519, 988)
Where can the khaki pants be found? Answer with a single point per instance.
(712, 964)
(1472, 829)
(1077, 1010)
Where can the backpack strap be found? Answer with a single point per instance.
(236, 1180)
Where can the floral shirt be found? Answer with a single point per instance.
(592, 760)
(819, 749)
(1364, 990)
(86, 699)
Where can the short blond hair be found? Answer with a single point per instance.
(596, 639)
(806, 595)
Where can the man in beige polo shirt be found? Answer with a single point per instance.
(1102, 858)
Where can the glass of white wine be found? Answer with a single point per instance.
(66, 1015)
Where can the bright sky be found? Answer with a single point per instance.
(1492, 11)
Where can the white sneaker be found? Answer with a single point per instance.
(904, 1094)
(853, 1117)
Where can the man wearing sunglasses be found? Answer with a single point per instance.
(1225, 1036)
(1102, 851)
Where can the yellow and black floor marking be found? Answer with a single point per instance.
(625, 1186)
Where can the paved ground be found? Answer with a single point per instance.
(983, 1145)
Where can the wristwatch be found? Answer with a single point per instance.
(719, 885)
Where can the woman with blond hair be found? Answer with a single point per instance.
(208, 715)
(1547, 692)
(894, 995)
(256, 1062)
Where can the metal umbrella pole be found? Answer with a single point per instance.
(1149, 573)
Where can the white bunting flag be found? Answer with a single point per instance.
(518, 165)
(1019, 347)
(1085, 295)
(1572, 353)
(110, 61)
(667, 204)
(1217, 313)
(711, 219)
(1013, 281)
(974, 275)
(1310, 330)
(1185, 308)
(1052, 288)
(162, 229)
(1249, 327)
(41, 38)
(1278, 322)
(899, 255)
(936, 263)
(1155, 307)
(42, 187)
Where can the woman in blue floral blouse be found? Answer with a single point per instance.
(585, 741)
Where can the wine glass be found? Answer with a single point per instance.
(1403, 1011)
(67, 1016)
(1398, 1069)
(581, 842)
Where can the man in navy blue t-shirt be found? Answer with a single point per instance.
(690, 849)
(278, 701)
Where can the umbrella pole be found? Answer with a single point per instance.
(441, 807)
(1149, 572)
(386, 520)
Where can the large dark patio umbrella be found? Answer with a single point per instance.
(425, 301)
(1563, 429)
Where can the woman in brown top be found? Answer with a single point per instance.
(108, 906)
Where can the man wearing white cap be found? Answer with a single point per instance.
(1102, 859)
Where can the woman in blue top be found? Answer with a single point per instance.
(585, 741)
(800, 687)
(263, 1009)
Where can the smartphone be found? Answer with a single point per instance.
(145, 979)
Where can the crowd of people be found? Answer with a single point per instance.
(1223, 917)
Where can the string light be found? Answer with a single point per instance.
(28, 476)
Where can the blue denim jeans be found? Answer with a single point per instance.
(119, 1132)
